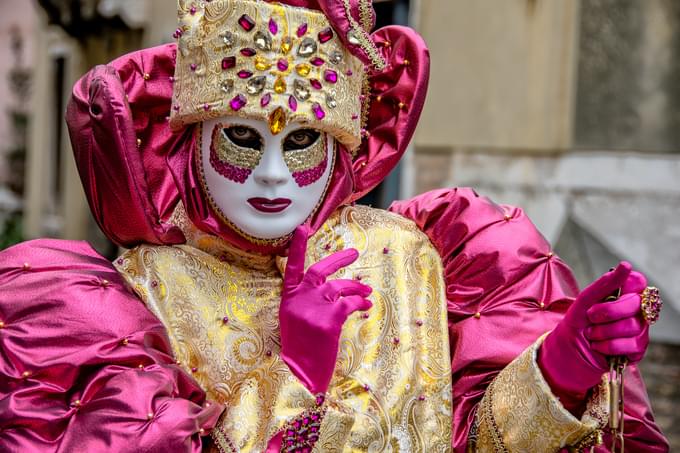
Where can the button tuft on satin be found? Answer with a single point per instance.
(478, 315)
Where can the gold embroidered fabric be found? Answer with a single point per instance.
(250, 59)
(519, 412)
(391, 390)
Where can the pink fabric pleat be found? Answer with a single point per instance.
(72, 343)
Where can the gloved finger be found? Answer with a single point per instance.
(295, 267)
(332, 263)
(635, 283)
(350, 304)
(630, 347)
(626, 306)
(342, 288)
(624, 328)
(603, 287)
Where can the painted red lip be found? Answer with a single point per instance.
(269, 206)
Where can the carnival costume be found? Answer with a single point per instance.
(418, 329)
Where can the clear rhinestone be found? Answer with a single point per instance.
(263, 41)
(228, 39)
(331, 102)
(307, 47)
(336, 57)
(353, 38)
(227, 86)
(301, 91)
(256, 85)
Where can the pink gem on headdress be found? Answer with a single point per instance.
(206, 107)
(273, 26)
(349, 73)
(193, 66)
(302, 30)
(228, 63)
(248, 52)
(315, 84)
(192, 10)
(317, 61)
(325, 35)
(178, 33)
(244, 74)
(318, 111)
(282, 64)
(266, 99)
(330, 76)
(246, 22)
(238, 102)
(292, 103)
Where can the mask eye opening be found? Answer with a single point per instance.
(244, 136)
(301, 139)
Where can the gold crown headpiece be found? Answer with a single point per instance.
(265, 61)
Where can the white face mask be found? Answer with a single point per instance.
(265, 184)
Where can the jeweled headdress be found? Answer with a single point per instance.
(266, 61)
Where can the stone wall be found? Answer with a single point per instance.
(628, 95)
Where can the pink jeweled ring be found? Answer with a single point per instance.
(651, 303)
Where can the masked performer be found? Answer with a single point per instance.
(257, 308)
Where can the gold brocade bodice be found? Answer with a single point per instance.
(391, 390)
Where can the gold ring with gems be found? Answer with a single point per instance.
(651, 303)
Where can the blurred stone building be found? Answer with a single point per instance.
(570, 109)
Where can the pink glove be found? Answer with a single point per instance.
(314, 310)
(574, 356)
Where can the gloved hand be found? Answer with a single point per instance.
(313, 311)
(574, 356)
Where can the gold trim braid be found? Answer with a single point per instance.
(519, 413)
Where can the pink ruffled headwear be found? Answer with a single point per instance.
(135, 169)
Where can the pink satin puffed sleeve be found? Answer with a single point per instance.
(84, 366)
(505, 288)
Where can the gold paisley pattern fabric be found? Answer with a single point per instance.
(391, 390)
(519, 413)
